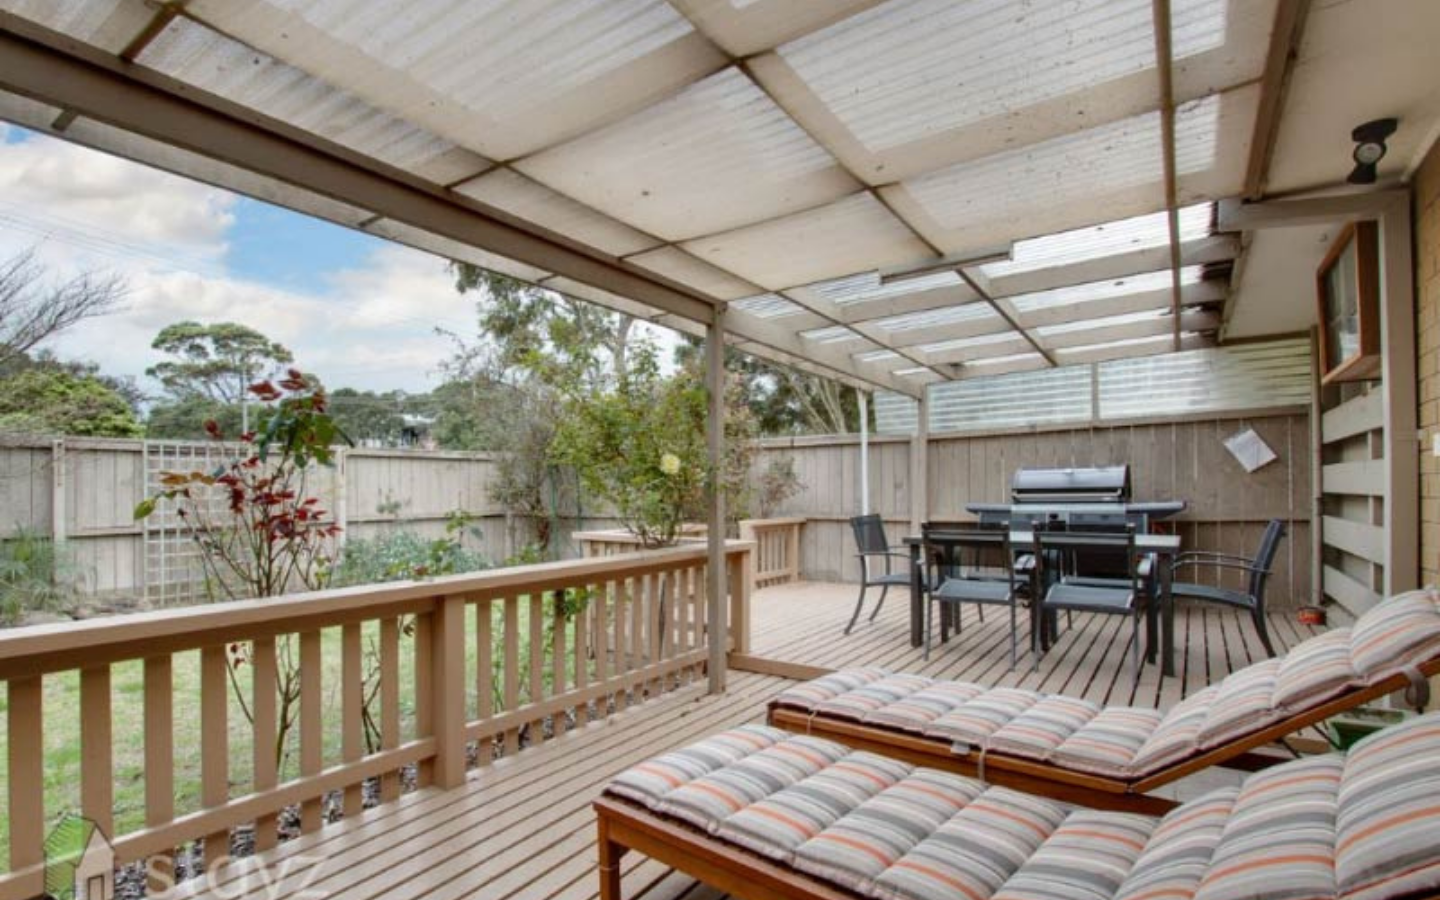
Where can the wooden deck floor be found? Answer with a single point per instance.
(522, 828)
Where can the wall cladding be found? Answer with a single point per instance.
(1175, 459)
(1426, 187)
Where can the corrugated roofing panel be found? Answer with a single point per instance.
(1105, 239)
(716, 156)
(533, 202)
(200, 57)
(1240, 376)
(975, 311)
(1080, 294)
(768, 306)
(503, 77)
(851, 235)
(865, 286)
(108, 24)
(677, 265)
(906, 71)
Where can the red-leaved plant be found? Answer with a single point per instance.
(259, 532)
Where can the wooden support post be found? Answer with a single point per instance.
(742, 585)
(864, 451)
(1402, 457)
(447, 683)
(25, 721)
(919, 451)
(715, 537)
(58, 524)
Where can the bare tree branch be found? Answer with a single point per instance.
(33, 308)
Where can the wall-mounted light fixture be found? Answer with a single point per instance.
(1369, 148)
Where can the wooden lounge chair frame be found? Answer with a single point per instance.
(1071, 785)
(622, 826)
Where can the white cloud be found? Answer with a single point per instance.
(370, 326)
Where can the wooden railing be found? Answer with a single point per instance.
(777, 549)
(496, 661)
(776, 559)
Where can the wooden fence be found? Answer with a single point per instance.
(84, 491)
(1179, 458)
(494, 666)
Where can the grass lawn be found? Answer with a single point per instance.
(62, 725)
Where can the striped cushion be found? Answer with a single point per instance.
(1315, 670)
(975, 852)
(973, 722)
(860, 702)
(1388, 824)
(1085, 859)
(1036, 732)
(1279, 841)
(1399, 631)
(1177, 735)
(1244, 704)
(706, 801)
(1179, 851)
(1108, 743)
(776, 825)
(807, 694)
(648, 782)
(918, 710)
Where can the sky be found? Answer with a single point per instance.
(355, 309)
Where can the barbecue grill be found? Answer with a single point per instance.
(1072, 495)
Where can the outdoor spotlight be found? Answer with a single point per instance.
(1369, 148)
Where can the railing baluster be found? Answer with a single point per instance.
(638, 600)
(264, 711)
(582, 650)
(352, 688)
(603, 640)
(512, 669)
(484, 672)
(25, 720)
(536, 643)
(97, 781)
(622, 617)
(159, 714)
(311, 730)
(389, 702)
(424, 692)
(214, 744)
(558, 680)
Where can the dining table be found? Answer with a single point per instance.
(1162, 547)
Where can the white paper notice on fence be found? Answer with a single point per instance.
(1250, 450)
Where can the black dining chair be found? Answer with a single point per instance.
(1063, 556)
(1252, 598)
(872, 543)
(970, 565)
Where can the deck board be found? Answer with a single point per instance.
(522, 827)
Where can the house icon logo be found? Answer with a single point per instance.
(79, 861)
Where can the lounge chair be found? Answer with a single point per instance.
(763, 814)
(1113, 757)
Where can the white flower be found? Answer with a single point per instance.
(670, 464)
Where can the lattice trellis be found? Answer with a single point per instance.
(174, 571)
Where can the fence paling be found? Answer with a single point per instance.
(641, 630)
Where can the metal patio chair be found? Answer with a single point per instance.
(1065, 589)
(971, 565)
(872, 543)
(1253, 597)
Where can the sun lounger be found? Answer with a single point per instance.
(1112, 757)
(762, 814)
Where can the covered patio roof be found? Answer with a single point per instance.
(892, 194)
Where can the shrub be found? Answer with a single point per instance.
(35, 574)
(404, 554)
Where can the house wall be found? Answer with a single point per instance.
(1426, 197)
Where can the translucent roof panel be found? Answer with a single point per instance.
(912, 85)
(515, 194)
(746, 27)
(977, 311)
(1106, 239)
(1080, 294)
(853, 235)
(866, 286)
(716, 156)
(679, 266)
(768, 306)
(108, 24)
(198, 56)
(1107, 172)
(1243, 376)
(502, 77)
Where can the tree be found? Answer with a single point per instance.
(33, 309)
(51, 400)
(217, 362)
(184, 420)
(785, 400)
(368, 416)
